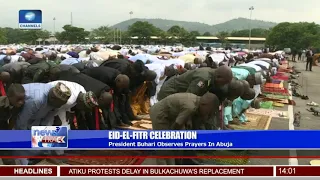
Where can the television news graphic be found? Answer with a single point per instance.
(199, 171)
(30, 19)
(49, 137)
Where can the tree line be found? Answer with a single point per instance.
(285, 35)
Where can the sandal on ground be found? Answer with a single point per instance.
(313, 104)
(304, 97)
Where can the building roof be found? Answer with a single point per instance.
(246, 38)
(207, 37)
(216, 38)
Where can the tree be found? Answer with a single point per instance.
(195, 33)
(179, 34)
(206, 34)
(296, 36)
(103, 33)
(72, 34)
(222, 37)
(257, 32)
(3, 38)
(43, 34)
(143, 30)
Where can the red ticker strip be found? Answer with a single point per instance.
(28, 170)
(166, 171)
(178, 157)
(298, 170)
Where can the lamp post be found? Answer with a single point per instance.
(250, 9)
(54, 25)
(131, 13)
(54, 29)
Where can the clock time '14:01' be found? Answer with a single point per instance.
(286, 171)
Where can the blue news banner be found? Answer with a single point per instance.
(52, 137)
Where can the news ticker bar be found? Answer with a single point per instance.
(155, 140)
(58, 171)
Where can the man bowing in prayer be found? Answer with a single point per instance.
(79, 99)
(41, 72)
(40, 102)
(196, 81)
(102, 92)
(178, 111)
(119, 84)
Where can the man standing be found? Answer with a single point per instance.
(178, 111)
(309, 63)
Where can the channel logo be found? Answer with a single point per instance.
(30, 19)
(49, 137)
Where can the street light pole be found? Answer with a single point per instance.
(54, 25)
(54, 29)
(130, 14)
(251, 9)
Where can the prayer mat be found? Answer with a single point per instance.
(285, 70)
(138, 125)
(132, 160)
(224, 161)
(272, 85)
(275, 97)
(276, 104)
(145, 116)
(268, 112)
(285, 78)
(315, 162)
(257, 122)
(275, 90)
(275, 81)
(144, 124)
(266, 105)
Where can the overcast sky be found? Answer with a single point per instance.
(94, 13)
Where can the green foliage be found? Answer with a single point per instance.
(12, 35)
(258, 32)
(207, 34)
(143, 30)
(3, 38)
(72, 34)
(104, 34)
(296, 36)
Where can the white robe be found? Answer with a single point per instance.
(75, 89)
(159, 69)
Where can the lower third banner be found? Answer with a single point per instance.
(60, 137)
(198, 171)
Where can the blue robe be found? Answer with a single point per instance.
(240, 74)
(238, 106)
(227, 115)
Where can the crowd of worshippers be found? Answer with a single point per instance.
(56, 87)
(60, 89)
